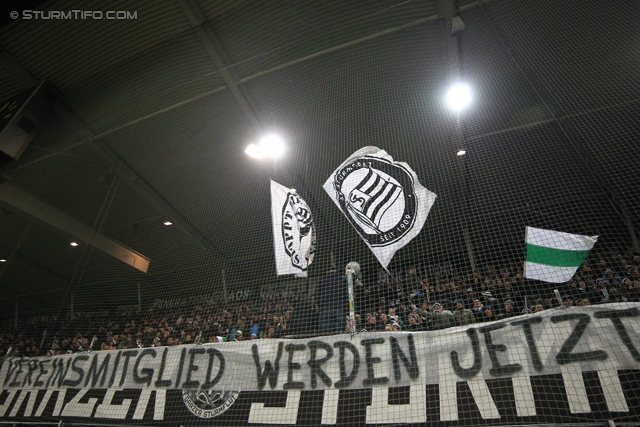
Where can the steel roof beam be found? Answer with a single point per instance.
(20, 201)
(216, 52)
(137, 183)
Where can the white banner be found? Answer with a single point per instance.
(589, 338)
(539, 366)
(294, 235)
(382, 199)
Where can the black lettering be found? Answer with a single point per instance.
(43, 371)
(212, 352)
(64, 372)
(10, 370)
(477, 358)
(189, 383)
(370, 360)
(531, 342)
(270, 372)
(616, 317)
(496, 368)
(115, 369)
(345, 380)
(160, 382)
(291, 365)
(33, 365)
(58, 372)
(15, 382)
(127, 355)
(78, 370)
(147, 373)
(565, 356)
(315, 364)
(95, 372)
(410, 366)
(183, 354)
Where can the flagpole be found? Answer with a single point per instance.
(352, 312)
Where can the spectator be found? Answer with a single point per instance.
(487, 315)
(509, 311)
(478, 308)
(463, 316)
(567, 301)
(332, 299)
(438, 319)
(414, 322)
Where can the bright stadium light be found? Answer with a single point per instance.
(459, 96)
(272, 146)
(255, 152)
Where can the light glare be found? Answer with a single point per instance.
(272, 146)
(459, 96)
(254, 151)
(3, 260)
(73, 244)
(168, 223)
(461, 153)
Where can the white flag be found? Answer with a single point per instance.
(554, 256)
(294, 235)
(382, 200)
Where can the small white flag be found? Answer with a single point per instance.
(381, 198)
(294, 235)
(554, 256)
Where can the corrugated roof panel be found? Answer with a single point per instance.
(194, 158)
(261, 36)
(213, 8)
(68, 50)
(587, 62)
(163, 75)
(9, 86)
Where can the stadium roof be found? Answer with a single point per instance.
(157, 108)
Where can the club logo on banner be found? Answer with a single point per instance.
(208, 403)
(382, 199)
(294, 235)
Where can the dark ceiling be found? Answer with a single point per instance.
(156, 112)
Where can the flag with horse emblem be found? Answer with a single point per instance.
(382, 199)
(294, 235)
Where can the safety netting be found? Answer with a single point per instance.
(321, 213)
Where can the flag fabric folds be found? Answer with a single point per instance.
(554, 256)
(381, 198)
(294, 234)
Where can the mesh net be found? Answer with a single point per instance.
(498, 264)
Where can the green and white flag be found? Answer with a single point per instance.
(554, 256)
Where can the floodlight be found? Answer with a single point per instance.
(73, 244)
(459, 96)
(273, 146)
(254, 151)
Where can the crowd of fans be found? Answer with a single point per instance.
(411, 302)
